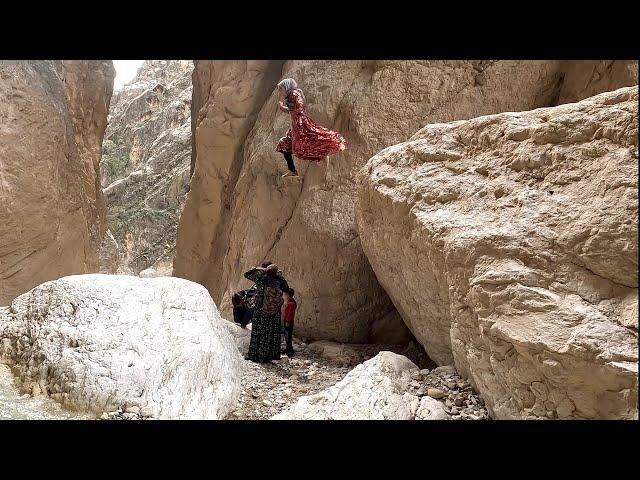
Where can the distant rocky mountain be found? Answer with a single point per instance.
(145, 168)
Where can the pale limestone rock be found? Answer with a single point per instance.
(148, 273)
(377, 389)
(109, 254)
(102, 342)
(509, 246)
(240, 212)
(242, 336)
(431, 409)
(53, 115)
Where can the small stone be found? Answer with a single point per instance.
(454, 411)
(146, 412)
(267, 403)
(458, 402)
(35, 390)
(445, 370)
(435, 393)
(424, 372)
(133, 409)
(421, 392)
(104, 416)
(415, 384)
(416, 375)
(450, 384)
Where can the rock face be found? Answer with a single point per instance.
(102, 342)
(240, 211)
(227, 98)
(53, 115)
(508, 244)
(377, 389)
(145, 167)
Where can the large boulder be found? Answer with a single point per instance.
(377, 389)
(240, 212)
(102, 342)
(509, 244)
(53, 115)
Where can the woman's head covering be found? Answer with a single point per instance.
(289, 85)
(272, 270)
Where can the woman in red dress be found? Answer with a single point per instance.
(305, 139)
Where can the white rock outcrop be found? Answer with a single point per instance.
(509, 245)
(102, 342)
(377, 389)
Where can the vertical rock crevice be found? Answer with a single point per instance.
(227, 98)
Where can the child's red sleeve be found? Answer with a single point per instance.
(289, 312)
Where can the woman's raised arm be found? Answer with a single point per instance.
(255, 275)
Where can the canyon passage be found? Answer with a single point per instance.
(471, 255)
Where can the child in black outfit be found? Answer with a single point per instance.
(243, 304)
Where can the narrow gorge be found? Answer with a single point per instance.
(473, 254)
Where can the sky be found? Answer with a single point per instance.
(125, 71)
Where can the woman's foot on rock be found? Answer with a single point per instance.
(290, 174)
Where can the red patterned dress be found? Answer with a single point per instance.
(306, 139)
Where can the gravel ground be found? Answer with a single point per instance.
(267, 389)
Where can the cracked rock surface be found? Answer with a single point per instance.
(239, 211)
(155, 348)
(509, 246)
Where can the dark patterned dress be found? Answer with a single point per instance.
(266, 329)
(306, 139)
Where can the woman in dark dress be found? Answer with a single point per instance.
(305, 139)
(266, 330)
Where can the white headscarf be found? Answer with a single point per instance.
(289, 84)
